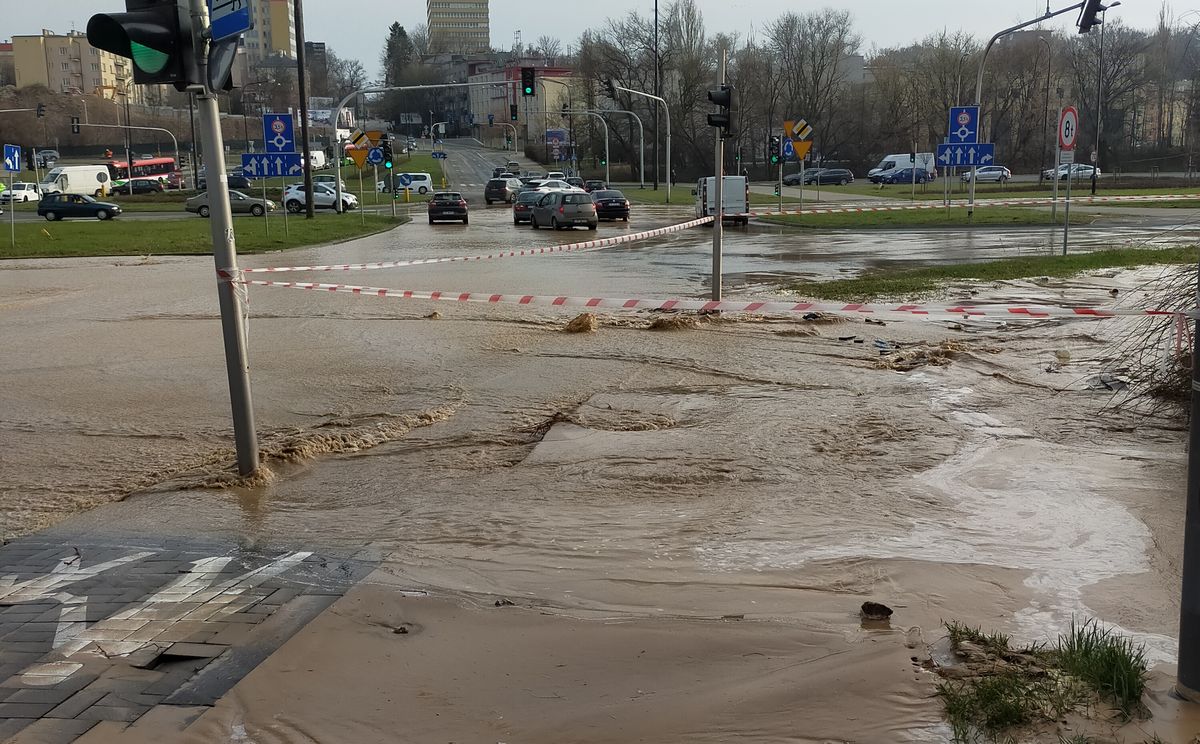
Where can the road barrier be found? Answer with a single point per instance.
(589, 245)
(755, 307)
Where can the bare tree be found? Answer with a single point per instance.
(550, 49)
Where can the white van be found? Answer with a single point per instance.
(85, 180)
(735, 194)
(903, 160)
(422, 183)
(318, 158)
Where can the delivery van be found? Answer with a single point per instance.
(891, 163)
(735, 195)
(86, 180)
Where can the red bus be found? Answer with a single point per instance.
(152, 169)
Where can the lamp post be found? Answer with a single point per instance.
(1100, 91)
(1045, 110)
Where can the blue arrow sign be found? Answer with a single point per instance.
(269, 165)
(964, 125)
(375, 155)
(405, 179)
(439, 155)
(229, 18)
(279, 133)
(789, 149)
(12, 158)
(966, 155)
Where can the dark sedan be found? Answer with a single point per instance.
(793, 179)
(907, 175)
(829, 177)
(139, 186)
(448, 205)
(523, 205)
(611, 205)
(57, 206)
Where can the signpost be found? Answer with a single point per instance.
(12, 164)
(279, 133)
(968, 155)
(282, 165)
(229, 18)
(1068, 133)
(796, 145)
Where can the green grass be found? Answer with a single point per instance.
(909, 283)
(183, 236)
(1040, 684)
(1111, 665)
(1181, 204)
(934, 190)
(953, 217)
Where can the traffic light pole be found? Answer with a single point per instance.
(225, 254)
(718, 192)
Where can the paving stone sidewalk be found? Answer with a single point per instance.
(95, 635)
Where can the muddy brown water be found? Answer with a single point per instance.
(734, 469)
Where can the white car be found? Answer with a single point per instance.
(997, 173)
(328, 179)
(1078, 171)
(556, 185)
(21, 192)
(555, 176)
(324, 197)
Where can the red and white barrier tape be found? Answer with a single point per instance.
(1041, 201)
(758, 307)
(589, 245)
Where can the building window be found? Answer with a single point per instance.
(62, 50)
(95, 67)
(94, 52)
(66, 65)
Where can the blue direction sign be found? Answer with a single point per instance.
(12, 158)
(259, 165)
(229, 18)
(964, 125)
(375, 155)
(789, 149)
(279, 133)
(966, 155)
(439, 155)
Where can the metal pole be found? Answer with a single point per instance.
(667, 116)
(1099, 97)
(128, 143)
(266, 211)
(1067, 207)
(195, 160)
(979, 80)
(1054, 170)
(801, 184)
(718, 220)
(779, 188)
(225, 255)
(283, 185)
(361, 211)
(301, 76)
(391, 189)
(12, 211)
(374, 182)
(1188, 675)
(657, 93)
(1046, 108)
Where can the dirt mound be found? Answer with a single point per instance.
(907, 360)
(583, 323)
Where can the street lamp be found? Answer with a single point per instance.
(1046, 110)
(1100, 91)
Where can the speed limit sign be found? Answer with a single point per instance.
(1068, 128)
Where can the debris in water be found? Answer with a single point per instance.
(798, 332)
(1106, 381)
(435, 315)
(875, 611)
(674, 323)
(583, 323)
(873, 321)
(846, 338)
(504, 603)
(907, 360)
(823, 318)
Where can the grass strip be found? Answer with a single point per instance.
(952, 217)
(185, 236)
(913, 283)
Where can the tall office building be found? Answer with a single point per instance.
(458, 26)
(274, 32)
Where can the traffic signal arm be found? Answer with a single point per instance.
(1088, 15)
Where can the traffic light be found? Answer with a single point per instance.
(775, 148)
(156, 35)
(610, 87)
(1088, 15)
(603, 160)
(527, 81)
(74, 125)
(723, 119)
(512, 111)
(386, 144)
(41, 110)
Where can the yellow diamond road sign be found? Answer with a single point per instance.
(799, 130)
(359, 138)
(375, 136)
(802, 148)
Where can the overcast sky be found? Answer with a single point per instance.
(356, 28)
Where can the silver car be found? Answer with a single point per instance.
(239, 203)
(564, 209)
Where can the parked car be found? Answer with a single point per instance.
(239, 203)
(328, 178)
(324, 197)
(233, 181)
(1078, 171)
(793, 179)
(594, 185)
(47, 158)
(58, 206)
(139, 186)
(523, 205)
(564, 209)
(22, 191)
(611, 205)
(501, 190)
(448, 205)
(989, 173)
(906, 175)
(829, 177)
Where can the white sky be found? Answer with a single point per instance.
(356, 28)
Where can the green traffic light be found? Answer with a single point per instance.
(528, 91)
(387, 164)
(147, 59)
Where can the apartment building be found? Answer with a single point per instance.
(274, 32)
(69, 64)
(458, 26)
